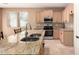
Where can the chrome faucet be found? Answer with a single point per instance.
(27, 28)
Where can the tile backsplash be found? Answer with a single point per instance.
(69, 25)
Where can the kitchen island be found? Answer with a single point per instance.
(25, 48)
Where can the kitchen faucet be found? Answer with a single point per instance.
(27, 28)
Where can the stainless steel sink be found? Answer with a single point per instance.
(32, 37)
(35, 35)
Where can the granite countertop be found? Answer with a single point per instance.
(23, 47)
(66, 29)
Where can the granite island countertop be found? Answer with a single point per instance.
(27, 48)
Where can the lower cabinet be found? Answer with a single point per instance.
(56, 34)
(61, 36)
(66, 37)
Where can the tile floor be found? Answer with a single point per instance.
(54, 47)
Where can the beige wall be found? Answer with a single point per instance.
(0, 19)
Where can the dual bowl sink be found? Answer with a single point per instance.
(31, 38)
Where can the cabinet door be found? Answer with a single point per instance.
(38, 16)
(68, 13)
(56, 34)
(71, 13)
(61, 36)
(68, 38)
(71, 8)
(46, 13)
(57, 16)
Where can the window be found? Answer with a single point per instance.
(18, 19)
(23, 17)
(13, 19)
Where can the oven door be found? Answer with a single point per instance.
(49, 33)
(48, 27)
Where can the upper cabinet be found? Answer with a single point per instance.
(71, 8)
(57, 15)
(68, 13)
(45, 13)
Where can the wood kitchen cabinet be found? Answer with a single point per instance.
(61, 36)
(68, 13)
(56, 34)
(45, 13)
(57, 15)
(37, 16)
(66, 37)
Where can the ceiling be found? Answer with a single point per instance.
(32, 5)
